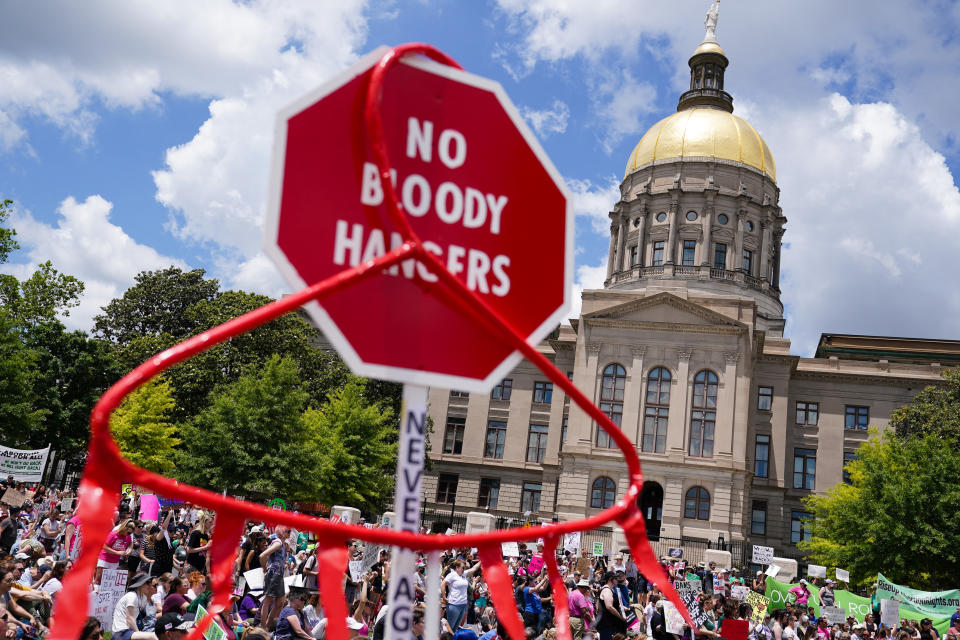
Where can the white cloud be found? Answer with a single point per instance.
(547, 121)
(622, 107)
(84, 243)
(595, 202)
(588, 277)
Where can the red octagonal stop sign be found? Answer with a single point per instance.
(477, 189)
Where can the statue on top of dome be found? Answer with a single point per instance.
(711, 22)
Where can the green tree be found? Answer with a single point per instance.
(934, 411)
(142, 428)
(8, 237)
(357, 441)
(250, 440)
(20, 413)
(899, 515)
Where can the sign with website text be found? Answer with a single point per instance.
(475, 186)
(25, 465)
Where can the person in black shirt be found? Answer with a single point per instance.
(162, 547)
(198, 543)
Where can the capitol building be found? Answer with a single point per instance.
(684, 349)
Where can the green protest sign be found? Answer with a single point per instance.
(214, 631)
(780, 596)
(916, 604)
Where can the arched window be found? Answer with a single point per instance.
(657, 411)
(611, 400)
(703, 415)
(603, 493)
(697, 504)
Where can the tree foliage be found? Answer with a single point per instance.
(142, 428)
(8, 237)
(357, 441)
(21, 415)
(900, 513)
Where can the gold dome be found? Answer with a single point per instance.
(703, 133)
(709, 47)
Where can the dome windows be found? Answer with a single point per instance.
(691, 215)
(662, 216)
(723, 219)
(749, 226)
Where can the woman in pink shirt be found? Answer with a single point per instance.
(117, 547)
(802, 593)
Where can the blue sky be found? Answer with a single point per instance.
(133, 137)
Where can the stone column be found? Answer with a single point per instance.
(672, 240)
(706, 258)
(763, 273)
(726, 407)
(776, 257)
(679, 393)
(641, 225)
(622, 251)
(630, 423)
(612, 260)
(738, 246)
(593, 357)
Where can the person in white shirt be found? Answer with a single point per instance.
(129, 608)
(648, 612)
(454, 592)
(790, 631)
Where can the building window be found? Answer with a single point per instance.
(689, 251)
(749, 226)
(530, 497)
(542, 391)
(537, 443)
(502, 391)
(458, 394)
(691, 215)
(848, 456)
(719, 256)
(799, 526)
(496, 436)
(603, 493)
(761, 457)
(661, 216)
(489, 493)
(611, 400)
(723, 219)
(697, 504)
(748, 262)
(563, 429)
(657, 410)
(808, 413)
(804, 468)
(658, 253)
(857, 417)
(758, 521)
(765, 399)
(634, 255)
(453, 437)
(703, 415)
(447, 488)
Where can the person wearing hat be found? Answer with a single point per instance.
(826, 597)
(171, 627)
(581, 611)
(802, 592)
(927, 632)
(131, 606)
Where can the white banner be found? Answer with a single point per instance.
(410, 458)
(25, 465)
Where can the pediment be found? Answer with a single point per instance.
(663, 308)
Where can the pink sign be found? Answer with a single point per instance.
(149, 507)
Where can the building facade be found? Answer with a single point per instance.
(684, 349)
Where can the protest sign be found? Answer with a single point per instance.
(889, 613)
(25, 465)
(739, 592)
(214, 631)
(688, 586)
(371, 555)
(149, 508)
(772, 570)
(718, 584)
(510, 549)
(916, 604)
(571, 542)
(356, 570)
(13, 498)
(759, 604)
(834, 615)
(536, 564)
(254, 579)
(816, 571)
(675, 552)
(843, 575)
(113, 584)
(239, 587)
(673, 618)
(66, 505)
(762, 555)
(692, 601)
(598, 548)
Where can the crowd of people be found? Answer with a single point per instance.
(167, 566)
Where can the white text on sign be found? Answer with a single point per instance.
(450, 202)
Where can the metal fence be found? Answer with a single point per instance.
(440, 521)
(693, 549)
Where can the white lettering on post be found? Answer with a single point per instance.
(410, 457)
